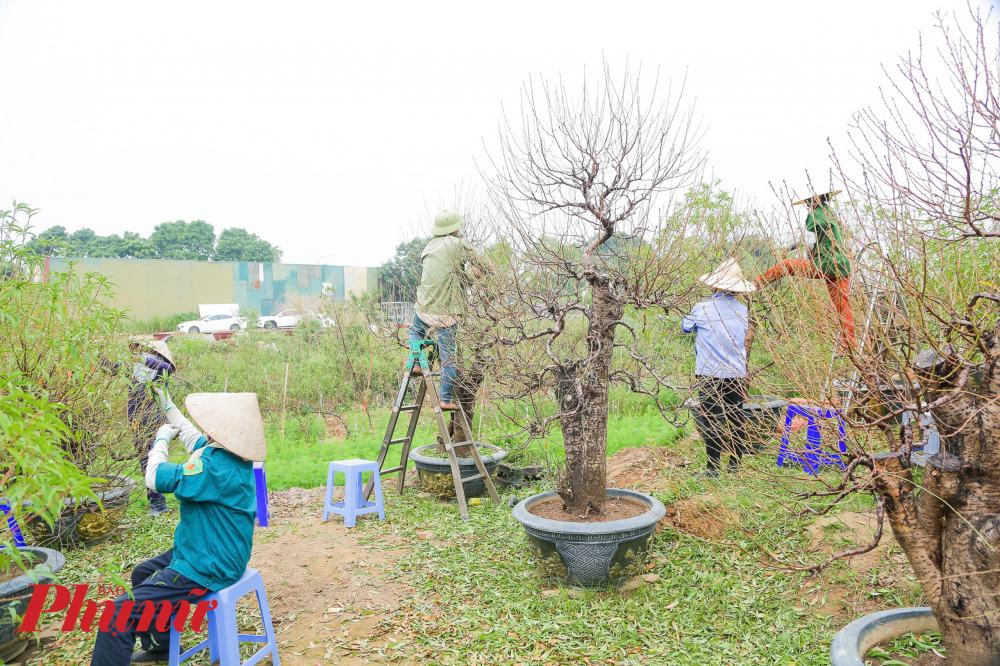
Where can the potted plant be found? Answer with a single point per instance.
(558, 315)
(518, 470)
(85, 521)
(58, 340)
(431, 461)
(34, 566)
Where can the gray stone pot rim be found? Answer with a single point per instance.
(54, 561)
(853, 642)
(496, 456)
(651, 517)
(125, 488)
(764, 402)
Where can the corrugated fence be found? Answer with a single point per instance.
(162, 287)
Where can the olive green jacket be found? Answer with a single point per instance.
(447, 269)
(830, 255)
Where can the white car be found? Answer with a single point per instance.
(291, 318)
(212, 324)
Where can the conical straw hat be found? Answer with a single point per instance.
(158, 346)
(728, 277)
(821, 197)
(232, 420)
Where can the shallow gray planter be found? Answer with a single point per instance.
(15, 594)
(435, 473)
(82, 523)
(763, 414)
(852, 643)
(509, 476)
(590, 554)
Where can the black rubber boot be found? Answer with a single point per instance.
(159, 509)
(144, 657)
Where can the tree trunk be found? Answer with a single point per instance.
(950, 530)
(582, 392)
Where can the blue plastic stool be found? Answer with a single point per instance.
(353, 504)
(15, 531)
(224, 640)
(260, 486)
(812, 457)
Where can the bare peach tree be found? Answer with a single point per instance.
(582, 253)
(925, 222)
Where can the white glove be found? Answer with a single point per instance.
(810, 239)
(166, 433)
(167, 406)
(189, 435)
(158, 454)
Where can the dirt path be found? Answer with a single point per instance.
(328, 594)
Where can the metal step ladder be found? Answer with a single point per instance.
(425, 387)
(883, 304)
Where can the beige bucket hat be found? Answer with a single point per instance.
(822, 197)
(728, 277)
(158, 346)
(232, 420)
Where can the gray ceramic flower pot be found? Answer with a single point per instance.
(83, 523)
(435, 473)
(590, 554)
(15, 594)
(852, 643)
(763, 415)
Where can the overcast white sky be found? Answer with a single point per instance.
(336, 129)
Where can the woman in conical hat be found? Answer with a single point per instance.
(152, 364)
(722, 346)
(215, 490)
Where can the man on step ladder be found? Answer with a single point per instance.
(448, 263)
(420, 359)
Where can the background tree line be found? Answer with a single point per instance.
(194, 241)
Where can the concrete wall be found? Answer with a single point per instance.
(162, 287)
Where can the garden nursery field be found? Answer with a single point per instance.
(600, 411)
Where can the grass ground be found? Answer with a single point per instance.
(300, 458)
(425, 587)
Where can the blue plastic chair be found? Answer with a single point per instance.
(353, 504)
(12, 523)
(224, 639)
(260, 486)
(812, 457)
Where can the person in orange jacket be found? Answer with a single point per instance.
(828, 261)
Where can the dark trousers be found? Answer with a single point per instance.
(151, 581)
(721, 413)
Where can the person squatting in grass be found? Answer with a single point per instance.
(828, 261)
(153, 364)
(448, 263)
(218, 508)
(723, 336)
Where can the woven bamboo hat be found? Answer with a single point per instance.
(822, 197)
(728, 277)
(232, 420)
(158, 346)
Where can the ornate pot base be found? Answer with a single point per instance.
(590, 554)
